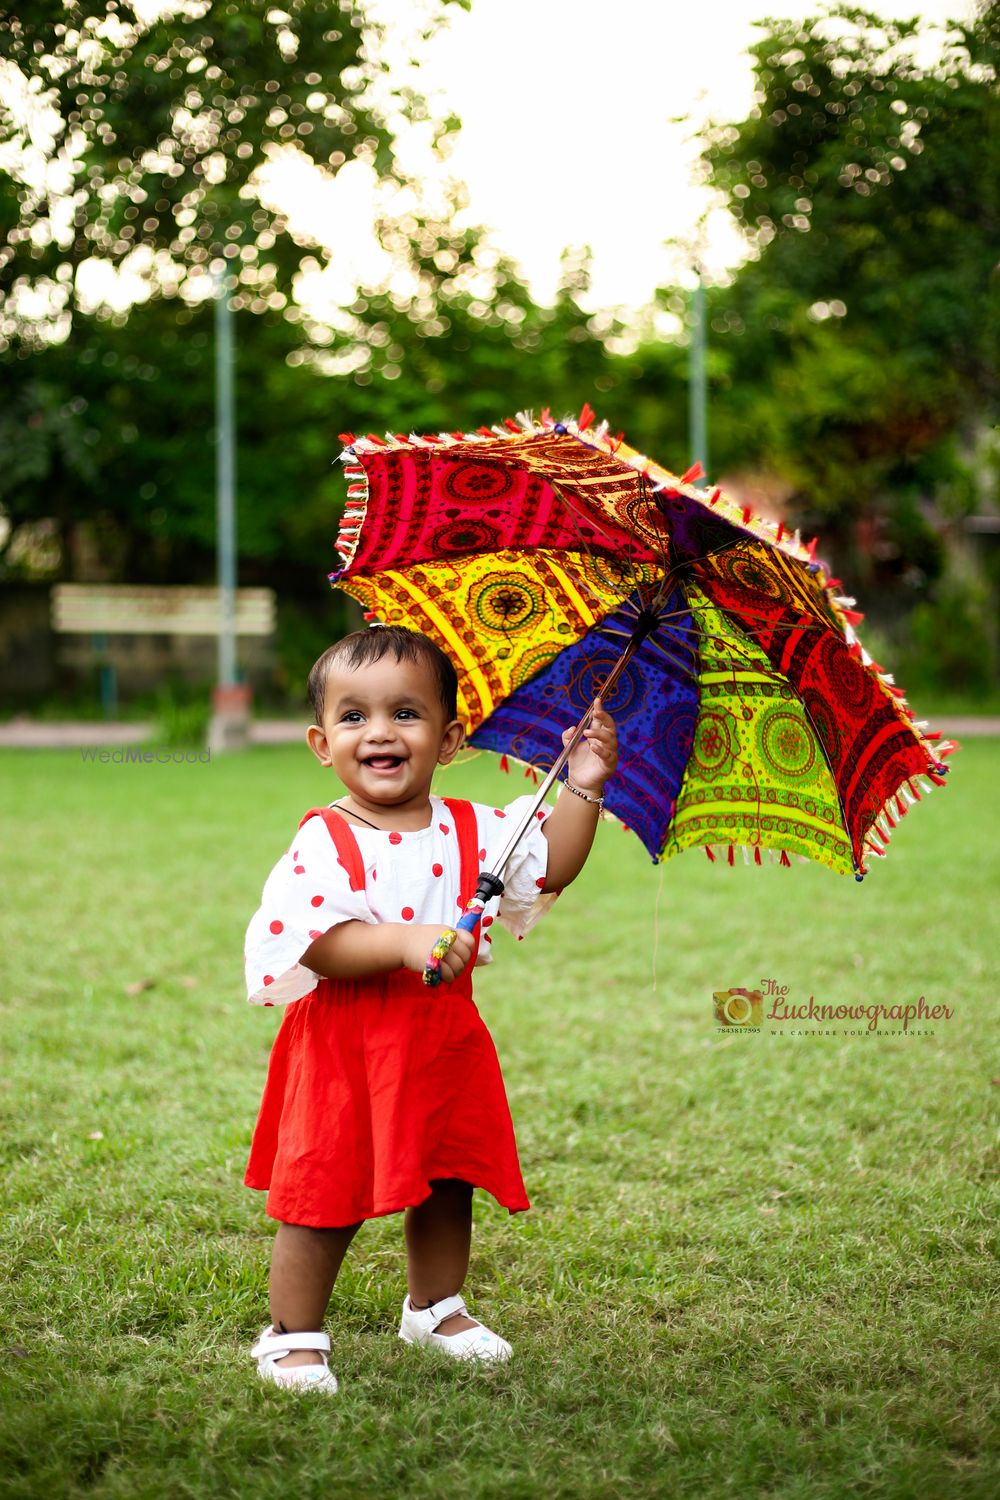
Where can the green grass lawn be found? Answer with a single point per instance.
(756, 1263)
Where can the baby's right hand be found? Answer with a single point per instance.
(419, 941)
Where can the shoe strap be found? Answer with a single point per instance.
(271, 1344)
(446, 1308)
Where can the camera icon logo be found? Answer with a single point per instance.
(738, 1007)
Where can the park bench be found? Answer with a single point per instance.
(103, 609)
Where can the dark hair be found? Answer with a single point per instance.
(364, 646)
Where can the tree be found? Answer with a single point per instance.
(107, 435)
(138, 143)
(862, 336)
(111, 429)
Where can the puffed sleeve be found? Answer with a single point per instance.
(306, 894)
(523, 901)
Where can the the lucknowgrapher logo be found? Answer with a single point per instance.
(738, 1007)
(746, 1010)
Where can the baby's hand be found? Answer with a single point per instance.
(419, 941)
(596, 756)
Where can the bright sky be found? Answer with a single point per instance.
(565, 131)
(566, 135)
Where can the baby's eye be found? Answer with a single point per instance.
(351, 717)
(407, 713)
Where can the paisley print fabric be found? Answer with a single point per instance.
(747, 715)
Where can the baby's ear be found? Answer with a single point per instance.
(451, 742)
(319, 745)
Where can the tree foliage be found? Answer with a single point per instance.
(113, 429)
(862, 335)
(109, 435)
(138, 142)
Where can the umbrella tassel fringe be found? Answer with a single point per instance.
(725, 853)
(876, 839)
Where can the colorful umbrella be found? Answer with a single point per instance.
(544, 556)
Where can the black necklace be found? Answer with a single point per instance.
(360, 819)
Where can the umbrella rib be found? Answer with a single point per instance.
(782, 560)
(743, 659)
(571, 506)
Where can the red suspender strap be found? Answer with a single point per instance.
(468, 845)
(348, 853)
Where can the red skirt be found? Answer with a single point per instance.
(375, 1087)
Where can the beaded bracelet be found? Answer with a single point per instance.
(443, 946)
(597, 802)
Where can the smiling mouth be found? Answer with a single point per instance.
(384, 762)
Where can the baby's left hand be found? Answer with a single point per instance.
(596, 756)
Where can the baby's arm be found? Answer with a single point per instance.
(353, 950)
(572, 823)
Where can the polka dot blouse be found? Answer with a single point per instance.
(409, 877)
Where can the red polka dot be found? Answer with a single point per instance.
(374, 873)
(395, 838)
(520, 937)
(277, 926)
(444, 828)
(540, 816)
(437, 869)
(268, 978)
(487, 938)
(540, 882)
(300, 869)
(316, 901)
(314, 934)
(295, 855)
(407, 913)
(269, 1004)
(482, 854)
(487, 921)
(498, 812)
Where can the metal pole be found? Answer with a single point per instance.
(697, 395)
(225, 482)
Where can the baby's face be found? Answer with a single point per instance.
(385, 730)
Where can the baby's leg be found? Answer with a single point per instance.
(304, 1267)
(438, 1238)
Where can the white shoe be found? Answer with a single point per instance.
(418, 1327)
(271, 1346)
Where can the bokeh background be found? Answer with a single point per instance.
(432, 215)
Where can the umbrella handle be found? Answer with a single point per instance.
(488, 887)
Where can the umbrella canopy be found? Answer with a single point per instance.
(749, 715)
